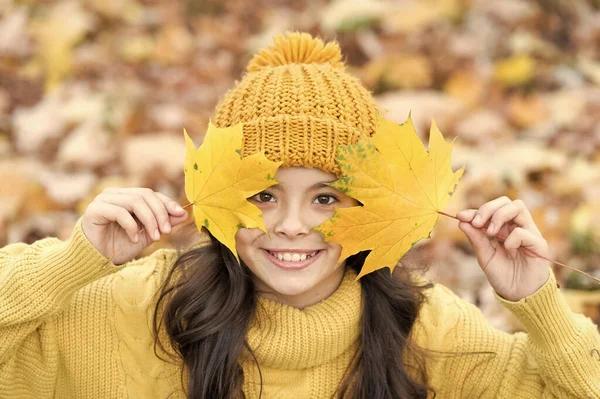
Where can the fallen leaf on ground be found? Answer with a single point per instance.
(515, 71)
(56, 36)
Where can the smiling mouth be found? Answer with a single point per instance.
(297, 260)
(293, 256)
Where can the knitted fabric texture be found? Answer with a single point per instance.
(74, 325)
(296, 103)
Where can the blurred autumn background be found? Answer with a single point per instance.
(95, 94)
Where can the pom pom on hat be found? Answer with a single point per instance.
(298, 48)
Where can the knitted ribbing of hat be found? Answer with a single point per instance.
(297, 103)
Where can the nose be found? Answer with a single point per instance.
(291, 224)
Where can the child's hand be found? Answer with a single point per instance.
(114, 217)
(511, 271)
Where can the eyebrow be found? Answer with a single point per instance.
(321, 184)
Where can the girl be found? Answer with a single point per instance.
(290, 320)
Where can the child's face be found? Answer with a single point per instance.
(290, 210)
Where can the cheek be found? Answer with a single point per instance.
(324, 215)
(244, 239)
(335, 250)
(269, 216)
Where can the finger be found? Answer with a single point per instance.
(180, 214)
(176, 220)
(485, 212)
(109, 213)
(156, 204)
(516, 212)
(158, 208)
(137, 205)
(171, 205)
(482, 246)
(520, 237)
(466, 215)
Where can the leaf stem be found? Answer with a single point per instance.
(532, 252)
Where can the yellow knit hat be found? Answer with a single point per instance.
(296, 103)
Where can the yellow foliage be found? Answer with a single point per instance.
(137, 48)
(406, 71)
(467, 86)
(527, 111)
(414, 16)
(174, 44)
(581, 218)
(515, 71)
(401, 185)
(56, 36)
(218, 182)
(128, 10)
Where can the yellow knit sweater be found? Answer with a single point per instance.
(73, 328)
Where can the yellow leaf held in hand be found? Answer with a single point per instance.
(218, 182)
(401, 185)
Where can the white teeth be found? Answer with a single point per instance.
(292, 257)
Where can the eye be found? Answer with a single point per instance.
(324, 199)
(263, 196)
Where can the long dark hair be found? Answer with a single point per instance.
(207, 302)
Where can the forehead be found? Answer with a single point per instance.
(302, 177)
(291, 172)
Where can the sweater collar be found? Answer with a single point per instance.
(284, 337)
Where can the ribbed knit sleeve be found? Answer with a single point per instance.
(552, 359)
(559, 341)
(36, 283)
(37, 280)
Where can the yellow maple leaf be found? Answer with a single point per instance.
(56, 35)
(218, 182)
(515, 71)
(401, 187)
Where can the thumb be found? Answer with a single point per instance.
(175, 220)
(482, 246)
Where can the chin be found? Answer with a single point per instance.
(292, 282)
(292, 287)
